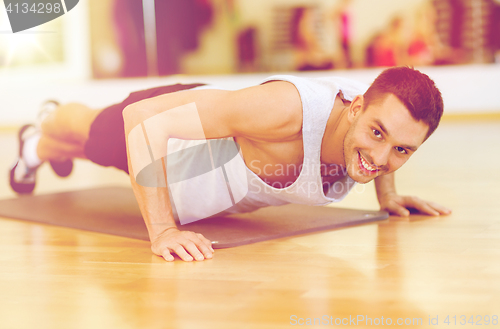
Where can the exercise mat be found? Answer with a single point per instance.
(114, 210)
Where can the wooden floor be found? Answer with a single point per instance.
(424, 267)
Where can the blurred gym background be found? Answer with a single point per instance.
(136, 38)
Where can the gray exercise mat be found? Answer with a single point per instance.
(114, 210)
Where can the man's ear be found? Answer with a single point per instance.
(355, 108)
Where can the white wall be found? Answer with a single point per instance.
(465, 88)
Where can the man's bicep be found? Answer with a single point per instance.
(182, 122)
(179, 114)
(262, 111)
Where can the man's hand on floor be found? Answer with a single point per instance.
(187, 245)
(398, 205)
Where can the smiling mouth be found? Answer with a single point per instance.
(365, 166)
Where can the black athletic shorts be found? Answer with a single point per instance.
(106, 143)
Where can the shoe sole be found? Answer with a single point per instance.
(21, 188)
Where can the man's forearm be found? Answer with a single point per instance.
(153, 201)
(390, 201)
(385, 185)
(155, 207)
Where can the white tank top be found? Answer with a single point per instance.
(231, 187)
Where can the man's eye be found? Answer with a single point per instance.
(401, 150)
(377, 133)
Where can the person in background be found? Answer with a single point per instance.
(342, 19)
(309, 53)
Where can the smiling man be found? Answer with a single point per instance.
(196, 151)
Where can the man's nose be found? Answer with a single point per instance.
(380, 156)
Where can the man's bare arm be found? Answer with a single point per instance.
(390, 201)
(268, 111)
(146, 143)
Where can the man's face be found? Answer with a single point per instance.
(381, 138)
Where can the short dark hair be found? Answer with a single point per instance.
(414, 89)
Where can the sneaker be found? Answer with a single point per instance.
(61, 168)
(22, 177)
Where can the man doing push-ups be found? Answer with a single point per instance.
(194, 151)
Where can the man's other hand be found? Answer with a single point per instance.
(399, 205)
(187, 245)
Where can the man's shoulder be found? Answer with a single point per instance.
(270, 110)
(324, 84)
